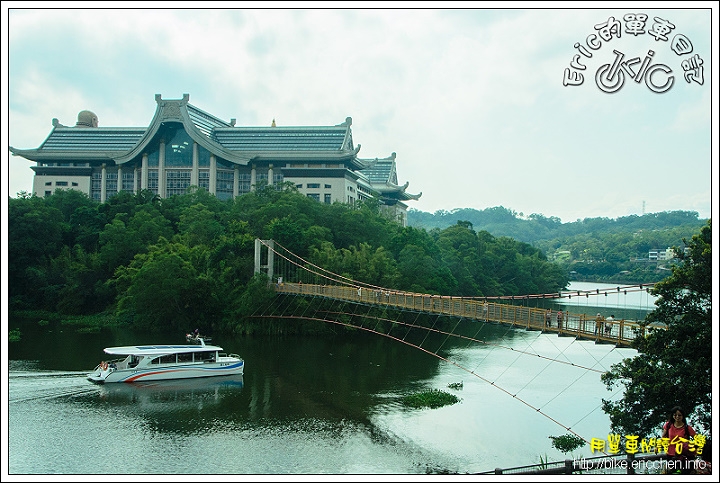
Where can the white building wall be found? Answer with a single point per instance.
(339, 187)
(43, 184)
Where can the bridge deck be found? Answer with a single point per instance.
(581, 326)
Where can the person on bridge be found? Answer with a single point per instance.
(559, 319)
(609, 324)
(548, 318)
(598, 324)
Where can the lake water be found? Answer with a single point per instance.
(307, 405)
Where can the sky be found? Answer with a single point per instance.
(471, 100)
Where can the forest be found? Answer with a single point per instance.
(188, 260)
(591, 249)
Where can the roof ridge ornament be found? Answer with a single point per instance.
(348, 122)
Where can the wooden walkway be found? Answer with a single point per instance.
(581, 326)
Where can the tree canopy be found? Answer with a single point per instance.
(673, 366)
(188, 259)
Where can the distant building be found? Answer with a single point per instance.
(659, 254)
(184, 146)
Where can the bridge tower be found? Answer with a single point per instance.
(269, 258)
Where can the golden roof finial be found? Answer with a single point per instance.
(273, 123)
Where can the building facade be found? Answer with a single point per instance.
(184, 146)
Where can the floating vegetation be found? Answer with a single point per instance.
(432, 398)
(567, 443)
(14, 335)
(456, 385)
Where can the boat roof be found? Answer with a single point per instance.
(158, 350)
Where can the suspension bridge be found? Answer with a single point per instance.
(397, 314)
(293, 275)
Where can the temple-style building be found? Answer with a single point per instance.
(184, 146)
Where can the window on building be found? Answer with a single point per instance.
(328, 198)
(313, 185)
(48, 183)
(61, 183)
(244, 183)
(299, 186)
(176, 181)
(314, 196)
(95, 185)
(152, 184)
(224, 184)
(328, 186)
(178, 149)
(204, 181)
(111, 182)
(128, 181)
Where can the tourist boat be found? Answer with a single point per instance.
(144, 363)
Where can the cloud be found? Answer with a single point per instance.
(471, 100)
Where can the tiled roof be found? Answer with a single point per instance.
(281, 138)
(92, 139)
(203, 121)
(381, 172)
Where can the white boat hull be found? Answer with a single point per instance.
(186, 371)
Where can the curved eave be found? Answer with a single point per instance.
(41, 155)
(402, 196)
(299, 155)
(398, 191)
(195, 134)
(366, 163)
(409, 196)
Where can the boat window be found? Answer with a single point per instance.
(185, 357)
(206, 356)
(166, 359)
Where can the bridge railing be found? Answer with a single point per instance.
(619, 332)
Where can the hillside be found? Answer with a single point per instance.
(593, 249)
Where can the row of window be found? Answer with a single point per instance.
(176, 182)
(316, 197)
(313, 186)
(205, 356)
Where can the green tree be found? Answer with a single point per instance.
(120, 241)
(35, 236)
(673, 366)
(167, 288)
(198, 225)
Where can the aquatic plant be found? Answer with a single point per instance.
(432, 398)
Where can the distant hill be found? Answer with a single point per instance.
(500, 221)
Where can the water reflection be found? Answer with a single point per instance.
(181, 390)
(307, 404)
